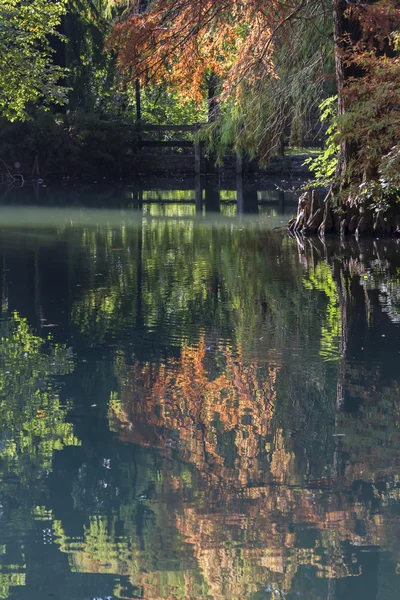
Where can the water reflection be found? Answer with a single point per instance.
(216, 413)
(33, 427)
(199, 195)
(218, 422)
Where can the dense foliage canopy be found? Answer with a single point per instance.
(262, 65)
(27, 71)
(248, 47)
(259, 69)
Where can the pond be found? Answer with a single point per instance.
(193, 404)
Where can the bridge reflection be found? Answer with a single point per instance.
(200, 194)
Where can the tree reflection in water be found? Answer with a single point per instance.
(250, 388)
(248, 499)
(33, 427)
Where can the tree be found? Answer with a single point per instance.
(363, 46)
(243, 50)
(367, 74)
(91, 71)
(245, 46)
(364, 138)
(27, 72)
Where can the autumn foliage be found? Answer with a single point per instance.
(183, 396)
(182, 42)
(371, 93)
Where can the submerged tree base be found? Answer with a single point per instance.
(357, 216)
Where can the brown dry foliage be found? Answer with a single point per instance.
(181, 398)
(181, 42)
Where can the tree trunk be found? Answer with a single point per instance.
(213, 101)
(343, 25)
(352, 214)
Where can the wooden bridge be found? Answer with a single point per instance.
(186, 154)
(166, 140)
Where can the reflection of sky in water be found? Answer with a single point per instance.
(194, 406)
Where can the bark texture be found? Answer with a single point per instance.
(316, 216)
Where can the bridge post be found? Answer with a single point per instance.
(239, 164)
(239, 194)
(197, 151)
(198, 193)
(197, 158)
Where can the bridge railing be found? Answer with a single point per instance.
(172, 142)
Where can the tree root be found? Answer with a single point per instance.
(312, 215)
(353, 218)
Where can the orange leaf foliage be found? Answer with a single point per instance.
(180, 398)
(183, 41)
(372, 96)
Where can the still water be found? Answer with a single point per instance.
(195, 406)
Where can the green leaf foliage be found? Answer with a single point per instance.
(32, 418)
(27, 72)
(324, 166)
